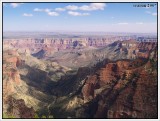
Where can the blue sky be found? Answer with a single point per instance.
(79, 17)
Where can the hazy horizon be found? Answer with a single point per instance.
(65, 31)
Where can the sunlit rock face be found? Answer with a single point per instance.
(118, 92)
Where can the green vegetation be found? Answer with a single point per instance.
(44, 116)
(38, 115)
(8, 116)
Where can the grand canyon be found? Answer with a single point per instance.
(111, 76)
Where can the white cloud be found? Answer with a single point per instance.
(77, 13)
(42, 10)
(90, 7)
(74, 13)
(38, 10)
(93, 6)
(52, 13)
(124, 23)
(98, 6)
(59, 9)
(27, 15)
(85, 7)
(48, 11)
(71, 7)
(14, 5)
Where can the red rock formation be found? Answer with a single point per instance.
(147, 46)
(132, 96)
(18, 109)
(89, 87)
(11, 76)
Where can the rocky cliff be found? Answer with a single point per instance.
(121, 92)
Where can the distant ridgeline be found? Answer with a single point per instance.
(67, 43)
(83, 41)
(147, 39)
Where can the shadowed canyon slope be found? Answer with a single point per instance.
(118, 80)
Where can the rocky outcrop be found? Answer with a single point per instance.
(121, 91)
(107, 75)
(18, 109)
(11, 77)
